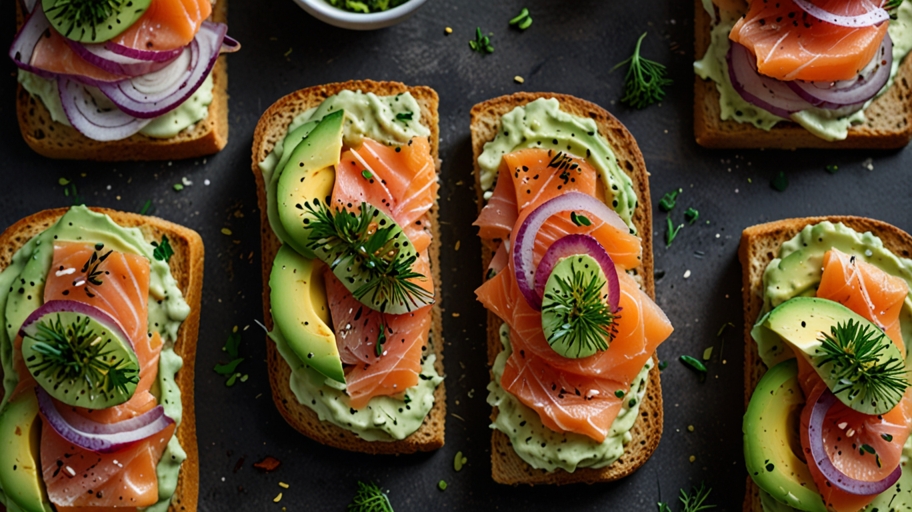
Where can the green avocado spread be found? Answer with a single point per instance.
(543, 124)
(167, 310)
(797, 272)
(390, 120)
(820, 122)
(543, 448)
(168, 125)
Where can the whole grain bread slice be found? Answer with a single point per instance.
(507, 466)
(187, 269)
(56, 140)
(888, 125)
(759, 245)
(272, 127)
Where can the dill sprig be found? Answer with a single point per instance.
(370, 498)
(83, 12)
(369, 245)
(73, 352)
(587, 320)
(644, 81)
(695, 502)
(856, 350)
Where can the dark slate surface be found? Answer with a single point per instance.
(570, 48)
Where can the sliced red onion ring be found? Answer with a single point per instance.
(96, 123)
(571, 245)
(230, 45)
(28, 5)
(150, 55)
(872, 17)
(837, 478)
(762, 91)
(23, 47)
(102, 437)
(71, 306)
(157, 93)
(524, 241)
(102, 57)
(855, 92)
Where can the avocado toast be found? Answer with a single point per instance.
(405, 120)
(810, 272)
(573, 449)
(173, 278)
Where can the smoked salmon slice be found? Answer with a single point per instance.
(866, 290)
(792, 45)
(54, 55)
(498, 216)
(166, 25)
(118, 284)
(399, 180)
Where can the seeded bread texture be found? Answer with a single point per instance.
(55, 140)
(759, 245)
(888, 126)
(273, 127)
(507, 467)
(187, 269)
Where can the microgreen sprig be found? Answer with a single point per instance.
(482, 43)
(644, 81)
(587, 318)
(370, 498)
(695, 502)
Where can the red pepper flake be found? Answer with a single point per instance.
(268, 464)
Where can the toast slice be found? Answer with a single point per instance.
(507, 467)
(759, 245)
(889, 123)
(272, 127)
(54, 140)
(187, 269)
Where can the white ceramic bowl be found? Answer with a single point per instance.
(326, 13)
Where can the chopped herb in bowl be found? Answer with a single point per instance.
(366, 6)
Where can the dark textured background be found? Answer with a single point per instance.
(570, 48)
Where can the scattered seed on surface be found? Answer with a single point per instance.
(442, 485)
(448, 31)
(693, 458)
(518, 79)
(283, 485)
(226, 231)
(686, 274)
(278, 498)
(690, 428)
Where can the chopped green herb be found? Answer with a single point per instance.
(491, 273)
(887, 437)
(663, 365)
(63, 182)
(619, 393)
(442, 485)
(404, 116)
(691, 215)
(671, 232)
(644, 81)
(891, 6)
(707, 354)
(381, 339)
(178, 186)
(73, 195)
(369, 498)
(722, 329)
(522, 21)
(367, 174)
(229, 369)
(692, 503)
(580, 220)
(667, 203)
(233, 344)
(694, 364)
(365, 6)
(147, 206)
(163, 250)
(482, 43)
(780, 182)
(867, 448)
(832, 168)
(459, 461)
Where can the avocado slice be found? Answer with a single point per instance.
(20, 469)
(301, 313)
(309, 174)
(801, 322)
(290, 142)
(771, 444)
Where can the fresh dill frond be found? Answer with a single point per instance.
(369, 249)
(72, 352)
(586, 319)
(644, 81)
(370, 498)
(696, 502)
(856, 352)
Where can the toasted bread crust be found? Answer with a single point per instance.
(272, 127)
(54, 140)
(759, 245)
(889, 123)
(507, 466)
(187, 269)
